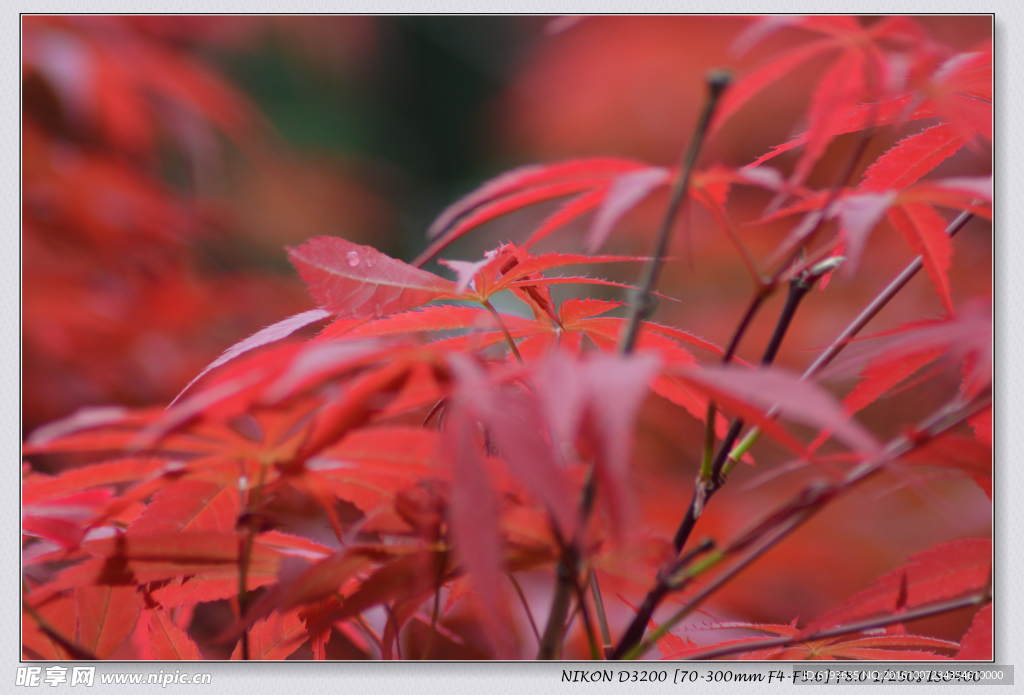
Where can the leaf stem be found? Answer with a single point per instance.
(504, 331)
(245, 553)
(808, 502)
(851, 330)
(526, 605)
(602, 618)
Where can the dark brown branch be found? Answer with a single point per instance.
(642, 306)
(783, 521)
(710, 481)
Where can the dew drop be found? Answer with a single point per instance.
(369, 263)
(353, 259)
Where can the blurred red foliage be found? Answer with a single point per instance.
(131, 276)
(440, 462)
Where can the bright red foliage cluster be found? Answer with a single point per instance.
(459, 455)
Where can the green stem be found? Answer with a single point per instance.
(851, 330)
(783, 521)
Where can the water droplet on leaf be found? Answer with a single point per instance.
(353, 259)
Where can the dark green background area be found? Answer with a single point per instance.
(416, 113)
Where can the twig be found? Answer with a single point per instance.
(710, 478)
(926, 611)
(641, 307)
(74, 650)
(434, 614)
(551, 642)
(851, 330)
(245, 554)
(786, 519)
(526, 606)
(588, 625)
(602, 618)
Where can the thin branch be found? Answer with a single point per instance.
(245, 544)
(588, 625)
(710, 480)
(666, 583)
(642, 306)
(851, 330)
(602, 618)
(551, 642)
(526, 606)
(434, 614)
(925, 611)
(74, 650)
(787, 518)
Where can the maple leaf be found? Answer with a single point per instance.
(912, 158)
(353, 281)
(943, 571)
(518, 431)
(966, 337)
(190, 505)
(751, 393)
(602, 397)
(925, 232)
(167, 641)
(106, 616)
(278, 331)
(959, 90)
(369, 466)
(473, 514)
(976, 645)
(965, 454)
(275, 637)
(523, 187)
(42, 642)
(624, 194)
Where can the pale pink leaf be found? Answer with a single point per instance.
(270, 334)
(627, 190)
(799, 400)
(860, 213)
